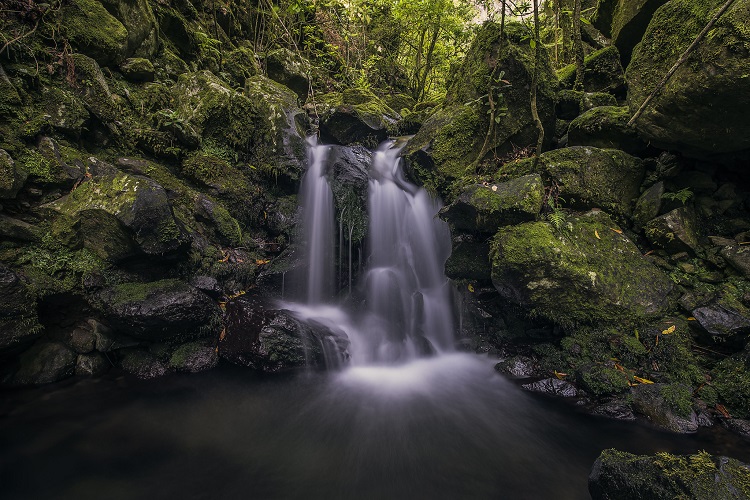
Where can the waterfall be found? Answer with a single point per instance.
(407, 310)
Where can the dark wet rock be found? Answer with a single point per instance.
(676, 231)
(568, 105)
(355, 116)
(616, 409)
(108, 340)
(738, 256)
(602, 72)
(118, 216)
(553, 387)
(273, 340)
(605, 127)
(595, 178)
(618, 475)
(137, 69)
(194, 357)
(704, 418)
(158, 310)
(207, 284)
(53, 169)
(485, 209)
(12, 178)
(649, 204)
(82, 339)
(469, 259)
(517, 366)
(143, 365)
(92, 365)
(290, 69)
(738, 426)
(591, 100)
(44, 363)
(94, 92)
(14, 229)
(722, 320)
(349, 180)
(699, 119)
(666, 406)
(581, 273)
(139, 21)
(19, 322)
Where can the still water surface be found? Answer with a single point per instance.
(441, 428)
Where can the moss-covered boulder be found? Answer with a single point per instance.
(602, 72)
(618, 475)
(63, 110)
(676, 231)
(649, 204)
(139, 21)
(591, 100)
(588, 177)
(137, 69)
(354, 116)
(289, 69)
(451, 139)
(93, 90)
(605, 127)
(469, 259)
(280, 128)
(194, 357)
(485, 209)
(704, 107)
(143, 365)
(94, 364)
(737, 256)
(12, 177)
(92, 30)
(584, 272)
(731, 379)
(240, 64)
(668, 406)
(158, 310)
(117, 214)
(18, 314)
(45, 363)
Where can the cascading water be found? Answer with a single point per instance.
(407, 310)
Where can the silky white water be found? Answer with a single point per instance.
(407, 311)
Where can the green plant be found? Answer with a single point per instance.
(683, 195)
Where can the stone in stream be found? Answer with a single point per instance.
(44, 363)
(553, 387)
(618, 475)
(143, 365)
(355, 116)
(194, 357)
(666, 405)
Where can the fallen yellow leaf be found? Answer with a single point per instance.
(691, 319)
(261, 262)
(560, 375)
(643, 380)
(596, 233)
(618, 231)
(669, 330)
(471, 288)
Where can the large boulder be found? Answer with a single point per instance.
(704, 107)
(676, 231)
(119, 215)
(272, 340)
(588, 177)
(617, 475)
(159, 310)
(139, 21)
(666, 405)
(625, 21)
(88, 26)
(18, 315)
(289, 69)
(605, 127)
(45, 363)
(93, 89)
(584, 272)
(355, 116)
(485, 209)
(450, 140)
(602, 72)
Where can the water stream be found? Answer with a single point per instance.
(409, 418)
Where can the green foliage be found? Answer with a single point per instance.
(683, 195)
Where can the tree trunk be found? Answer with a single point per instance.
(535, 84)
(577, 44)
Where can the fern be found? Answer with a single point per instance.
(683, 195)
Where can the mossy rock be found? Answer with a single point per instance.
(63, 110)
(45, 363)
(582, 273)
(227, 228)
(139, 21)
(485, 209)
(668, 406)
(676, 231)
(92, 30)
(214, 172)
(240, 64)
(649, 204)
(703, 108)
(289, 69)
(194, 357)
(143, 365)
(137, 69)
(731, 379)
(93, 90)
(136, 209)
(587, 177)
(590, 100)
(618, 475)
(602, 72)
(159, 310)
(355, 116)
(12, 177)
(605, 127)
(169, 65)
(469, 259)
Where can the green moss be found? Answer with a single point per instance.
(732, 381)
(227, 226)
(127, 293)
(36, 165)
(87, 25)
(601, 380)
(213, 171)
(679, 398)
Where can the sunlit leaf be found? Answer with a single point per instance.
(618, 231)
(642, 380)
(669, 330)
(596, 233)
(471, 288)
